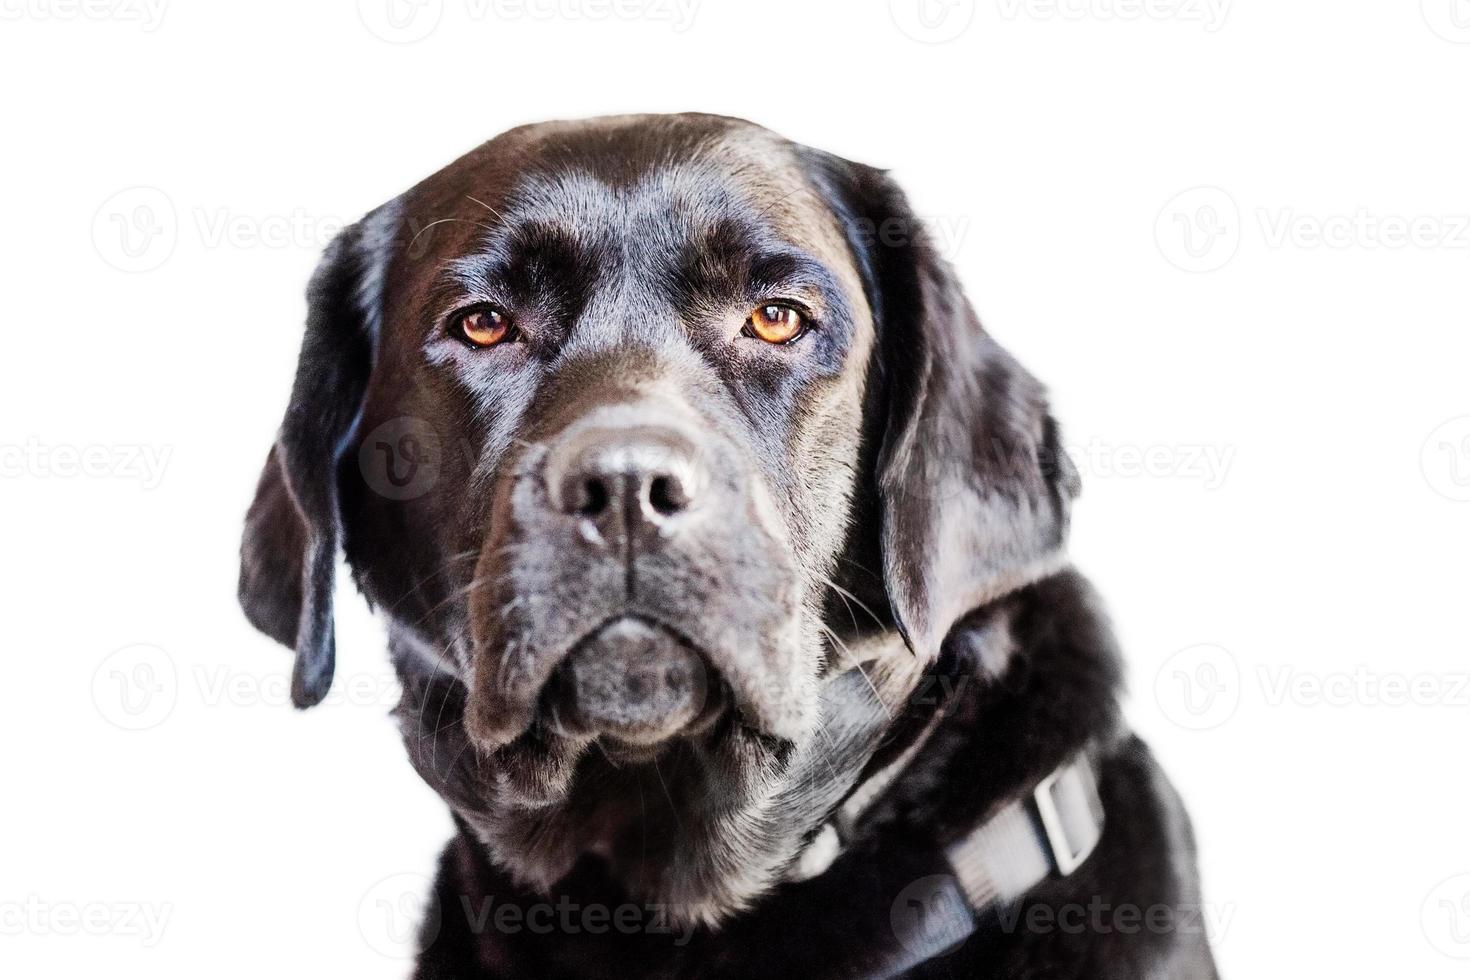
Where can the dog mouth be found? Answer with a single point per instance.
(633, 684)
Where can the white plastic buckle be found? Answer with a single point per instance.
(1074, 777)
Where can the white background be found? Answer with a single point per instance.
(1232, 237)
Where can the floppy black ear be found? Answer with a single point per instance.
(973, 484)
(289, 551)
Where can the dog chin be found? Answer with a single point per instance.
(662, 818)
(545, 765)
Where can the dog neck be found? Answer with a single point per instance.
(1021, 687)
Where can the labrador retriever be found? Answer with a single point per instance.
(722, 558)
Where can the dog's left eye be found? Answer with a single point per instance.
(481, 327)
(776, 323)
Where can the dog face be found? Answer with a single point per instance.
(610, 417)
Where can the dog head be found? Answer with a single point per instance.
(650, 436)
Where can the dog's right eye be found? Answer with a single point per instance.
(776, 323)
(481, 327)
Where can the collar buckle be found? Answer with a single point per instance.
(1071, 814)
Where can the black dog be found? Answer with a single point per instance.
(722, 553)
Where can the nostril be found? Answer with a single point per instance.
(666, 495)
(592, 497)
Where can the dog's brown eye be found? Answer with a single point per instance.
(776, 323)
(481, 328)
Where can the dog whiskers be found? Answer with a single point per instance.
(667, 795)
(845, 596)
(851, 661)
(392, 607)
(440, 221)
(486, 206)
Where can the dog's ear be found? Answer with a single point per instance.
(289, 551)
(974, 487)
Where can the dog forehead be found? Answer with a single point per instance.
(638, 182)
(661, 212)
(665, 210)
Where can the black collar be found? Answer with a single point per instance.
(1048, 830)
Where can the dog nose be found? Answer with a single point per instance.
(635, 478)
(634, 681)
